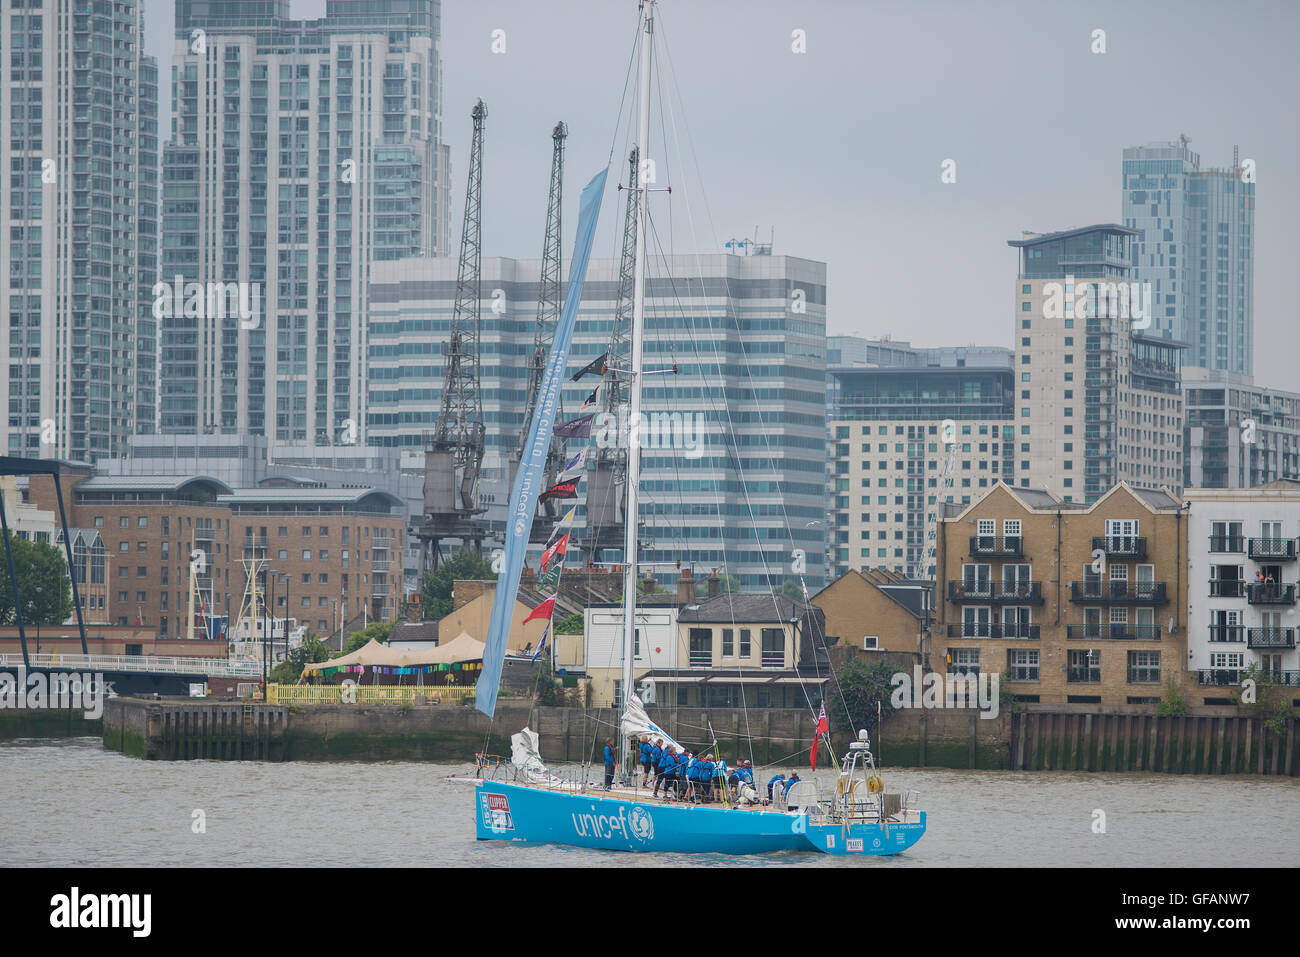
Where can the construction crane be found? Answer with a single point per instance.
(548, 314)
(453, 455)
(607, 477)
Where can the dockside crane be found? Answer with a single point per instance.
(607, 478)
(453, 455)
(548, 313)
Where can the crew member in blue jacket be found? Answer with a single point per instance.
(666, 764)
(778, 780)
(610, 761)
(683, 762)
(706, 779)
(646, 759)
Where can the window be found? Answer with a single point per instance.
(701, 647)
(963, 661)
(1084, 667)
(728, 643)
(306, 554)
(142, 522)
(1023, 665)
(773, 648)
(306, 531)
(123, 522)
(1144, 667)
(745, 651)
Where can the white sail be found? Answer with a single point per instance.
(636, 724)
(524, 753)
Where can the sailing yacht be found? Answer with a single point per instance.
(538, 805)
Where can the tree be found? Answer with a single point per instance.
(545, 685)
(790, 590)
(862, 687)
(727, 585)
(44, 588)
(435, 590)
(290, 670)
(379, 631)
(570, 626)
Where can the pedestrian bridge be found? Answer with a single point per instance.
(139, 664)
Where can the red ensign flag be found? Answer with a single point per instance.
(822, 728)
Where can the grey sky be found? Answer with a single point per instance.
(840, 148)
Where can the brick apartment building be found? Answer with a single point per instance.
(1070, 603)
(334, 549)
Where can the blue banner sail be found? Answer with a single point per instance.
(528, 480)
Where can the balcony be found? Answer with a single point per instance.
(1135, 632)
(1127, 546)
(1227, 588)
(991, 546)
(982, 630)
(1013, 592)
(1112, 592)
(1279, 549)
(1226, 634)
(1271, 594)
(1270, 638)
(1219, 677)
(1227, 543)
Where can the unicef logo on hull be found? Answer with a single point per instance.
(641, 824)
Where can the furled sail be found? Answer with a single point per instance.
(637, 723)
(524, 753)
(528, 480)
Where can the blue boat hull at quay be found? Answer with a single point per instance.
(509, 812)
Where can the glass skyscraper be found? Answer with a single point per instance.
(301, 153)
(78, 256)
(747, 335)
(1196, 248)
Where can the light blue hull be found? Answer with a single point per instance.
(509, 812)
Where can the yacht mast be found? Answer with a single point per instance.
(634, 392)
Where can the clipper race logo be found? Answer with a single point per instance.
(496, 812)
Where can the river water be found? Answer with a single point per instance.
(71, 803)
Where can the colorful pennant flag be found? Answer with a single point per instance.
(542, 641)
(555, 551)
(565, 522)
(545, 610)
(550, 581)
(579, 428)
(596, 366)
(560, 490)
